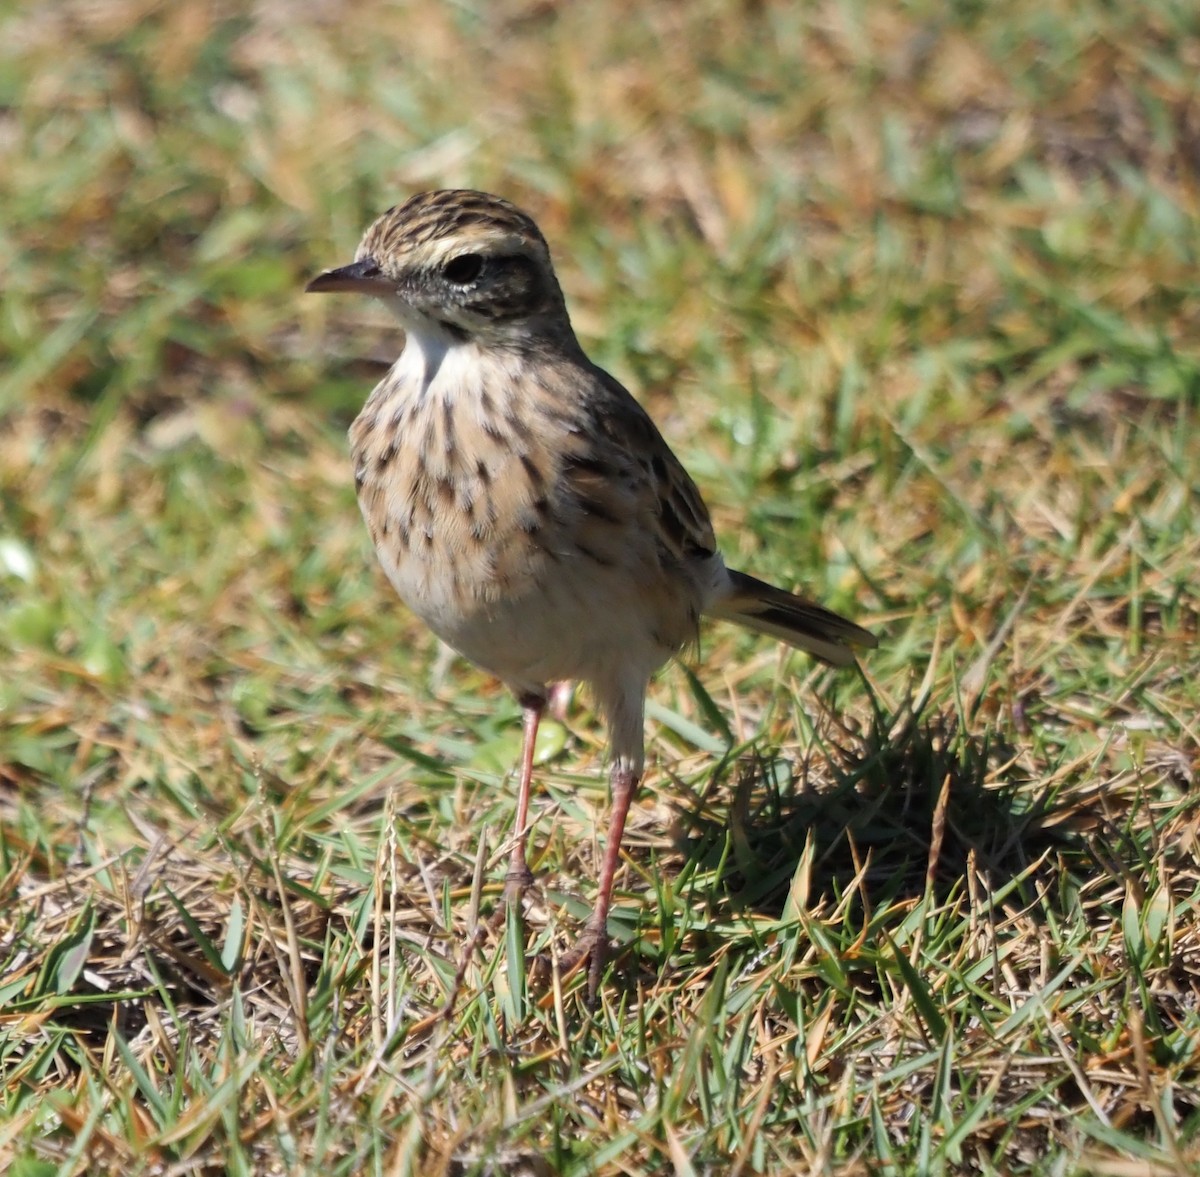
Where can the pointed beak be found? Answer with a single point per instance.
(362, 277)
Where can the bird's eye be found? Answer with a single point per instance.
(463, 269)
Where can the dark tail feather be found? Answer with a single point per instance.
(807, 626)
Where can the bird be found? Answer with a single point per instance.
(524, 505)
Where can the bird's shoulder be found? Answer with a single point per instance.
(617, 459)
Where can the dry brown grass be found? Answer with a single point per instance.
(912, 290)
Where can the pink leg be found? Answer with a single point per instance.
(519, 874)
(592, 944)
(560, 700)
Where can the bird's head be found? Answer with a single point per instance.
(461, 263)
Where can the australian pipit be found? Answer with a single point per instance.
(524, 505)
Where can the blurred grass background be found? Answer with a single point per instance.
(912, 289)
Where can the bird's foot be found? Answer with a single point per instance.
(591, 948)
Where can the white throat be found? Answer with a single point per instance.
(426, 347)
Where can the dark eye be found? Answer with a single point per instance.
(463, 269)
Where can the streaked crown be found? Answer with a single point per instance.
(470, 263)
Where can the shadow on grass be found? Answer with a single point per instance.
(875, 802)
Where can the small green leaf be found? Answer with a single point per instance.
(33, 623)
(102, 657)
(71, 953)
(231, 952)
(1131, 927)
(921, 994)
(1157, 913)
(515, 947)
(207, 948)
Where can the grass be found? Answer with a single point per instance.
(912, 290)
